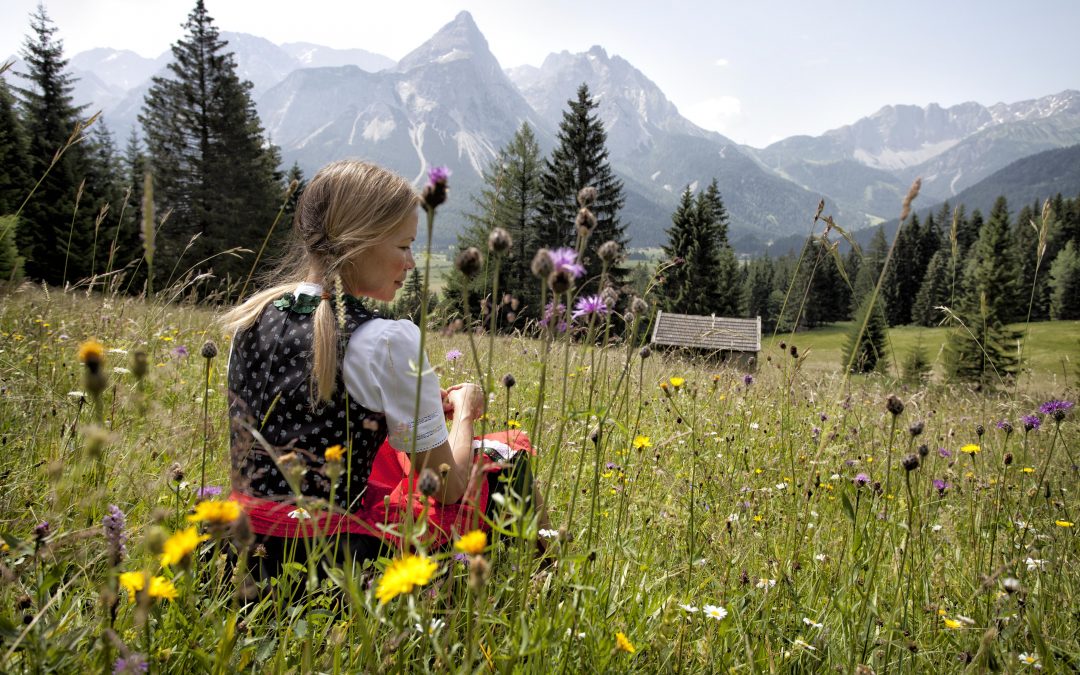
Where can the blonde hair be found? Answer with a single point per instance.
(348, 207)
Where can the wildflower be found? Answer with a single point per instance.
(941, 486)
(472, 543)
(1011, 585)
(813, 624)
(181, 545)
(677, 381)
(609, 251)
(951, 623)
(435, 191)
(1063, 523)
(586, 196)
(944, 453)
(645, 352)
(542, 266)
(755, 426)
(215, 512)
(403, 575)
(799, 642)
(209, 349)
(429, 483)
(453, 355)
(207, 491)
(924, 450)
(1031, 422)
(434, 627)
(548, 534)
(513, 424)
(910, 463)
(499, 241)
(469, 262)
(748, 379)
(508, 380)
(335, 453)
(589, 304)
(861, 480)
(1006, 426)
(91, 354)
(979, 430)
(1034, 565)
(936, 528)
(179, 351)
(1056, 409)
(1030, 659)
(970, 449)
(1028, 469)
(642, 442)
(565, 259)
(162, 589)
(916, 428)
(715, 612)
(690, 608)
(132, 664)
(820, 557)
(554, 311)
(113, 524)
(624, 644)
(766, 583)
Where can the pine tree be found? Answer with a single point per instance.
(904, 275)
(11, 263)
(759, 286)
(509, 199)
(678, 275)
(870, 353)
(14, 176)
(983, 349)
(54, 236)
(212, 169)
(934, 291)
(579, 160)
(1065, 284)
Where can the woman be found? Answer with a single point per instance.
(313, 369)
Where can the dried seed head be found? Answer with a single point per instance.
(794, 351)
(209, 349)
(980, 430)
(638, 306)
(561, 281)
(609, 251)
(542, 266)
(586, 196)
(499, 241)
(469, 262)
(176, 472)
(585, 221)
(508, 380)
(894, 405)
(913, 192)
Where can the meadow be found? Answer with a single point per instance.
(708, 519)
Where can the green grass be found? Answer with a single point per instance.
(742, 497)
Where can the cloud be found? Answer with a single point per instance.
(717, 113)
(722, 63)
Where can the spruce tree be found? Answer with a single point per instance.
(14, 176)
(54, 236)
(983, 349)
(677, 291)
(212, 169)
(870, 352)
(904, 275)
(759, 286)
(579, 160)
(934, 291)
(1065, 284)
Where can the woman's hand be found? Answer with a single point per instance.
(466, 399)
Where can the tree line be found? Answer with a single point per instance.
(186, 204)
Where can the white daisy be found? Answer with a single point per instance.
(299, 513)
(810, 622)
(688, 608)
(1030, 659)
(715, 612)
(766, 583)
(799, 642)
(820, 557)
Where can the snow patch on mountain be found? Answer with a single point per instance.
(890, 159)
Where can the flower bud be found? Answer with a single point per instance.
(586, 196)
(499, 241)
(561, 281)
(609, 251)
(469, 262)
(894, 405)
(209, 349)
(585, 221)
(428, 483)
(508, 380)
(542, 266)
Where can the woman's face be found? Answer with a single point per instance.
(380, 270)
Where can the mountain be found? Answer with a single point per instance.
(310, 55)
(658, 152)
(1026, 181)
(869, 164)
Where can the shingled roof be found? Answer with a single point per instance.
(707, 332)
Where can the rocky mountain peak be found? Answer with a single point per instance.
(459, 39)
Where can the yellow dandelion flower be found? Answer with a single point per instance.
(91, 351)
(641, 442)
(951, 623)
(1063, 523)
(513, 424)
(132, 582)
(180, 545)
(970, 449)
(1028, 469)
(216, 512)
(162, 589)
(624, 643)
(403, 575)
(472, 543)
(334, 453)
(677, 381)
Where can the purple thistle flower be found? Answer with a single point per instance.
(207, 492)
(1031, 422)
(944, 452)
(42, 530)
(453, 355)
(438, 174)
(941, 486)
(180, 351)
(589, 304)
(551, 310)
(1056, 409)
(566, 259)
(132, 664)
(748, 379)
(113, 524)
(861, 479)
(1006, 426)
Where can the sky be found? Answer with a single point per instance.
(754, 70)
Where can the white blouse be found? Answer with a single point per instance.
(380, 374)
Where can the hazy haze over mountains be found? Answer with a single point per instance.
(450, 101)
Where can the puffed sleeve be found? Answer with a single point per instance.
(380, 372)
